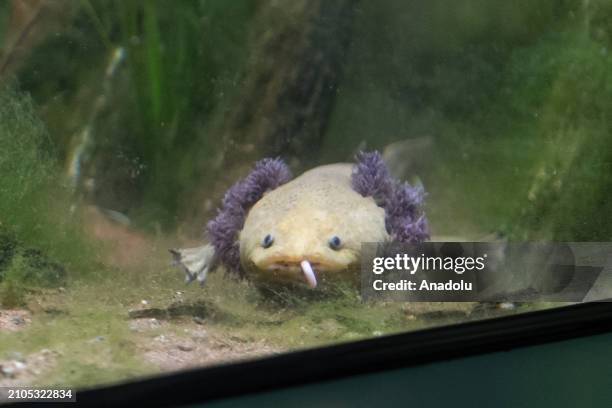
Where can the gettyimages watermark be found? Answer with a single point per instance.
(486, 271)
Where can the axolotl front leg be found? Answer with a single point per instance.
(223, 229)
(195, 262)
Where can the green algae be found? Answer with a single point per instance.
(41, 241)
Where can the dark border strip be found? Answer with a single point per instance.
(361, 357)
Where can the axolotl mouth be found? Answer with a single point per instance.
(297, 269)
(305, 268)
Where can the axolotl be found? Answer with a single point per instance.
(271, 228)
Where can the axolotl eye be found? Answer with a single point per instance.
(335, 243)
(267, 241)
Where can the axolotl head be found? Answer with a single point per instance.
(310, 230)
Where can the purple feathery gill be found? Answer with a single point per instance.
(223, 230)
(404, 217)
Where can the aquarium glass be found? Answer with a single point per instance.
(130, 128)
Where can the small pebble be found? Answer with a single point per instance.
(19, 366)
(7, 371)
(184, 347)
(144, 302)
(199, 336)
(198, 320)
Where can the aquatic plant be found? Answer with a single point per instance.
(182, 63)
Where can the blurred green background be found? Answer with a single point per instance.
(151, 109)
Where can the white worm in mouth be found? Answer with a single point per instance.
(309, 273)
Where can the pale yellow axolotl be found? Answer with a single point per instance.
(309, 229)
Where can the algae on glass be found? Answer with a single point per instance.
(40, 240)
